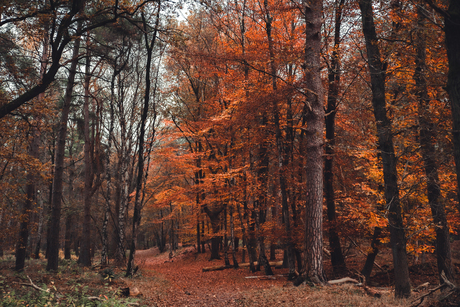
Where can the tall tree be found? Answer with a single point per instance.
(452, 28)
(56, 200)
(427, 145)
(314, 118)
(31, 188)
(149, 45)
(386, 149)
(337, 258)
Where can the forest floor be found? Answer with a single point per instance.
(180, 281)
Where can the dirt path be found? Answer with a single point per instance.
(181, 282)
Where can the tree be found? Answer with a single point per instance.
(66, 16)
(337, 258)
(451, 28)
(149, 44)
(314, 166)
(385, 143)
(56, 199)
(428, 151)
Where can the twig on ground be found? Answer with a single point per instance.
(31, 284)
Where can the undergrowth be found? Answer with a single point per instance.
(71, 285)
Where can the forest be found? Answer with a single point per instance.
(244, 129)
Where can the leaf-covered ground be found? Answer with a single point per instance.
(180, 281)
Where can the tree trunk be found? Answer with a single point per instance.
(314, 137)
(28, 204)
(105, 222)
(369, 264)
(85, 254)
(337, 259)
(452, 29)
(31, 176)
(282, 158)
(54, 225)
(263, 261)
(385, 139)
(427, 140)
(68, 235)
(233, 239)
(226, 247)
(140, 163)
(215, 222)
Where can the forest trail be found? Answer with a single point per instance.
(180, 281)
(184, 283)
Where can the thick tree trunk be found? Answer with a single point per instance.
(55, 217)
(315, 141)
(427, 140)
(385, 139)
(337, 259)
(215, 222)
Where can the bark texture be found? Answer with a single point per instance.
(314, 132)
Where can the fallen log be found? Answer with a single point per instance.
(369, 291)
(217, 268)
(342, 281)
(276, 264)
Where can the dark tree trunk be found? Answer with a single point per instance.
(85, 254)
(385, 139)
(105, 222)
(215, 222)
(452, 29)
(282, 157)
(428, 150)
(23, 239)
(337, 259)
(54, 225)
(233, 239)
(314, 166)
(226, 246)
(263, 261)
(149, 44)
(369, 264)
(68, 235)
